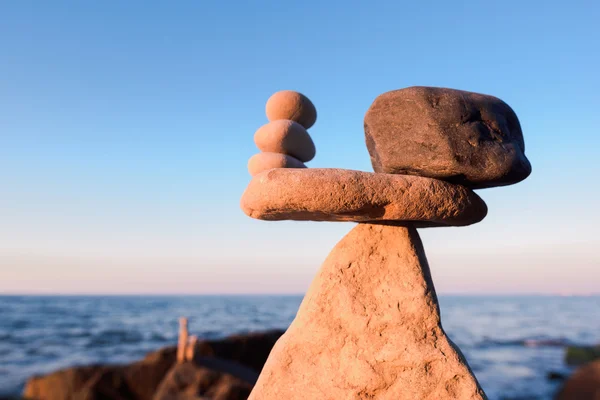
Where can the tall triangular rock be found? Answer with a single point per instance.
(369, 328)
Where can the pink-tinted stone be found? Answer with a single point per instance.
(330, 194)
(287, 137)
(264, 161)
(369, 328)
(295, 106)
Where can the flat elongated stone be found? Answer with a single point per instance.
(369, 328)
(264, 161)
(287, 137)
(467, 138)
(346, 195)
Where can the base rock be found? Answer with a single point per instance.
(369, 328)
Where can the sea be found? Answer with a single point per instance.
(512, 343)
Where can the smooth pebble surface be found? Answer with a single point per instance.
(263, 161)
(462, 137)
(497, 334)
(287, 137)
(288, 104)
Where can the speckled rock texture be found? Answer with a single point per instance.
(287, 137)
(264, 161)
(467, 138)
(369, 328)
(345, 195)
(287, 104)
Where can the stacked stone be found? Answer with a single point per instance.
(369, 327)
(285, 141)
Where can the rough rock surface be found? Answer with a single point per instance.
(263, 161)
(345, 195)
(584, 384)
(287, 137)
(188, 381)
(467, 138)
(288, 104)
(369, 328)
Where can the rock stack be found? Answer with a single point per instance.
(284, 141)
(369, 326)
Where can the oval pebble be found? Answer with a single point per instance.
(287, 137)
(288, 104)
(263, 161)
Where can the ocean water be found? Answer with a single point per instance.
(511, 343)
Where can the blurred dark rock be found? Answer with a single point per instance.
(110, 383)
(189, 381)
(60, 385)
(584, 384)
(222, 369)
(250, 350)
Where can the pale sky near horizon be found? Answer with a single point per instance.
(125, 129)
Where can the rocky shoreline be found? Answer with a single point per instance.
(224, 369)
(227, 369)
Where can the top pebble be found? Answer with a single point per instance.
(291, 105)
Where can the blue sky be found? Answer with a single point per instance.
(125, 129)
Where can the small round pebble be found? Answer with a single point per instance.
(288, 104)
(287, 137)
(263, 161)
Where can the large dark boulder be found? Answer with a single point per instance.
(461, 137)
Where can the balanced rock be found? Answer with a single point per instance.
(264, 161)
(287, 137)
(369, 328)
(461, 137)
(344, 195)
(288, 104)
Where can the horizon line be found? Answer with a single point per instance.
(241, 294)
